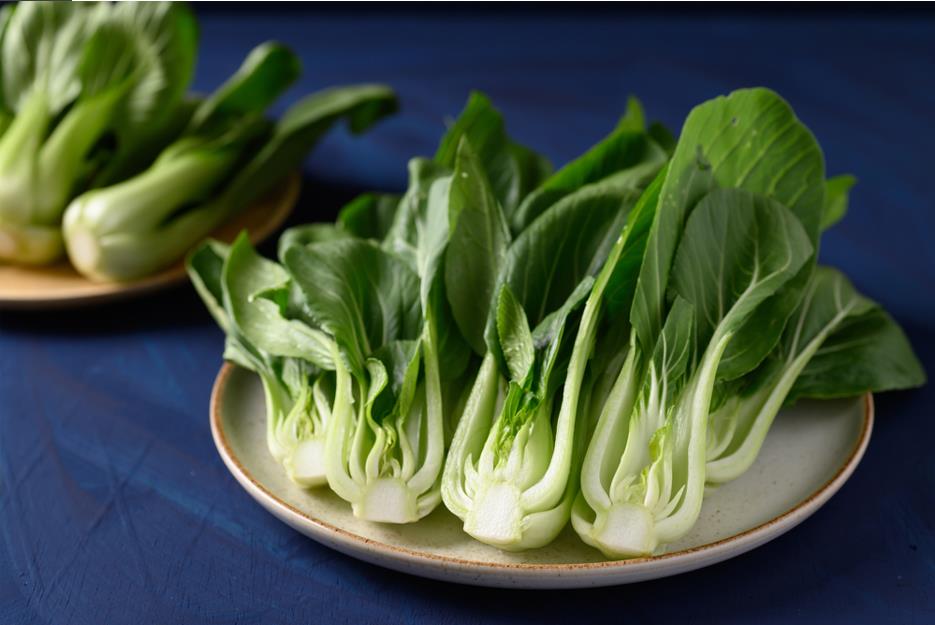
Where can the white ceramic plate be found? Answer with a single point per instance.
(809, 454)
(60, 286)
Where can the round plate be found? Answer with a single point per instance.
(810, 452)
(59, 285)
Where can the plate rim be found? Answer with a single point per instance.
(335, 536)
(288, 189)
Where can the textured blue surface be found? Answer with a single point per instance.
(115, 508)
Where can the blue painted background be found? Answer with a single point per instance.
(115, 508)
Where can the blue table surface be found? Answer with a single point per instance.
(115, 507)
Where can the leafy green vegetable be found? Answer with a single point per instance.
(513, 170)
(628, 156)
(837, 344)
(659, 412)
(384, 449)
(73, 74)
(599, 344)
(836, 193)
(291, 359)
(229, 157)
(511, 470)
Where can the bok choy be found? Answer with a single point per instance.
(229, 156)
(75, 76)
(605, 343)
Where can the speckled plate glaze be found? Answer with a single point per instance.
(60, 286)
(809, 454)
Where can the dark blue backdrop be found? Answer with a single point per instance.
(115, 508)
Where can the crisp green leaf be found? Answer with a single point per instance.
(837, 190)
(246, 274)
(310, 234)
(369, 216)
(618, 293)
(551, 350)
(506, 165)
(634, 119)
(866, 353)
(42, 52)
(400, 360)
(737, 250)
(299, 130)
(629, 155)
(514, 335)
(569, 241)
(476, 247)
(750, 139)
(265, 74)
(357, 292)
(204, 266)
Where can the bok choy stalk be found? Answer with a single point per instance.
(837, 344)
(385, 439)
(511, 470)
(510, 473)
(72, 76)
(292, 359)
(385, 455)
(698, 317)
(229, 157)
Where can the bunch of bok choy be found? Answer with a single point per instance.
(602, 344)
(104, 156)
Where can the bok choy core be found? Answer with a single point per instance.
(604, 343)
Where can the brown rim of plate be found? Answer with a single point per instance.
(220, 440)
(83, 292)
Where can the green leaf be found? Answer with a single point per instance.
(359, 293)
(369, 216)
(410, 235)
(627, 154)
(533, 168)
(310, 234)
(299, 130)
(862, 349)
(400, 360)
(506, 165)
(166, 34)
(551, 350)
(868, 352)
(476, 247)
(247, 274)
(837, 190)
(156, 110)
(514, 335)
(569, 241)
(265, 74)
(672, 355)
(621, 282)
(750, 139)
(204, 266)
(663, 137)
(737, 250)
(42, 52)
(634, 119)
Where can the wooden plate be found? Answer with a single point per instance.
(810, 452)
(60, 286)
